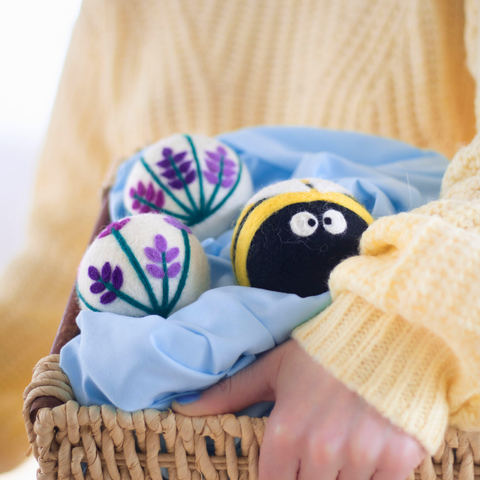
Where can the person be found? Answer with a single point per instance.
(397, 348)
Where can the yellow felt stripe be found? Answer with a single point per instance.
(272, 205)
(235, 233)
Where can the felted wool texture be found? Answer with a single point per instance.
(168, 271)
(194, 178)
(298, 185)
(291, 241)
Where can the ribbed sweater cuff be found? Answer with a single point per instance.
(399, 368)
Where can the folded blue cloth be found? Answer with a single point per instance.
(136, 363)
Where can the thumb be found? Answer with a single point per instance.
(253, 384)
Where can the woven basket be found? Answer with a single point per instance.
(118, 445)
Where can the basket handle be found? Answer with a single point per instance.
(68, 328)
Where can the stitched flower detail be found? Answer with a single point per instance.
(221, 170)
(107, 279)
(176, 223)
(113, 226)
(161, 254)
(177, 169)
(147, 199)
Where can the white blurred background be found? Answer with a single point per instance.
(34, 37)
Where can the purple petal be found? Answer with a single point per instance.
(178, 157)
(136, 205)
(152, 254)
(229, 163)
(221, 150)
(228, 172)
(141, 189)
(122, 223)
(173, 270)
(184, 167)
(214, 156)
(167, 152)
(177, 224)
(106, 272)
(155, 271)
(160, 242)
(97, 287)
(132, 192)
(170, 173)
(190, 177)
(93, 273)
(144, 209)
(176, 184)
(164, 163)
(172, 254)
(212, 166)
(227, 182)
(213, 179)
(117, 278)
(150, 193)
(160, 200)
(105, 232)
(107, 298)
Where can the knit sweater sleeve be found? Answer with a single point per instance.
(404, 328)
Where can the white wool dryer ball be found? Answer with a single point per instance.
(143, 265)
(194, 178)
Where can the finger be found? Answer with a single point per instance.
(327, 446)
(366, 443)
(321, 472)
(253, 384)
(278, 459)
(400, 457)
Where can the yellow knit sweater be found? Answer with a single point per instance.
(404, 330)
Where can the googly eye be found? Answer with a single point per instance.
(334, 222)
(303, 224)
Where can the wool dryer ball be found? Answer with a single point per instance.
(147, 264)
(292, 234)
(196, 179)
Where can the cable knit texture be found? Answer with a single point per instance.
(139, 70)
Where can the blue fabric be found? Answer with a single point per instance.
(136, 363)
(148, 361)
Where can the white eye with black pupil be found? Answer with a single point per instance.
(334, 222)
(303, 224)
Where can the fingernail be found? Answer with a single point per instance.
(186, 399)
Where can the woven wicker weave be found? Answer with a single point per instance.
(117, 445)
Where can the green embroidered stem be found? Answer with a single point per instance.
(217, 186)
(164, 188)
(80, 296)
(185, 186)
(138, 269)
(220, 205)
(127, 298)
(199, 172)
(183, 278)
(165, 283)
(159, 209)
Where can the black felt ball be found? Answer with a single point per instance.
(294, 248)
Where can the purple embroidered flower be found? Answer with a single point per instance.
(158, 254)
(220, 168)
(176, 223)
(113, 226)
(143, 194)
(106, 277)
(176, 169)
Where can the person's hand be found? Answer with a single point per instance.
(318, 429)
